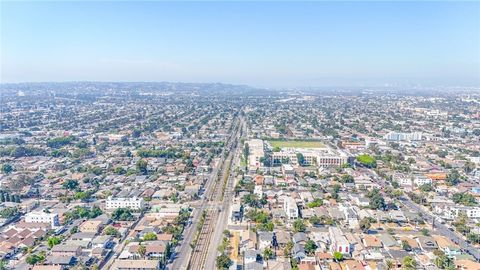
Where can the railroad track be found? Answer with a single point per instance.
(199, 256)
(200, 252)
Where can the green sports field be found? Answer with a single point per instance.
(296, 144)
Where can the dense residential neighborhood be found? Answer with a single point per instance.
(214, 176)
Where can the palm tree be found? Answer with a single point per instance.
(3, 265)
(389, 264)
(267, 254)
(409, 263)
(142, 250)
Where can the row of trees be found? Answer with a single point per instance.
(5, 196)
(21, 151)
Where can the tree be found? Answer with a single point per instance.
(314, 220)
(367, 161)
(52, 241)
(150, 236)
(444, 262)
(3, 265)
(346, 178)
(267, 254)
(406, 246)
(7, 168)
(34, 259)
(468, 167)
(70, 184)
(288, 248)
(95, 211)
(74, 229)
(466, 199)
(142, 250)
(365, 224)
(300, 159)
(119, 170)
(122, 214)
(223, 261)
(310, 247)
(136, 133)
(82, 196)
(409, 263)
(110, 231)
(299, 226)
(426, 187)
(453, 178)
(252, 200)
(258, 216)
(337, 256)
(442, 153)
(8, 212)
(246, 151)
(60, 141)
(315, 203)
(461, 223)
(96, 170)
(377, 202)
(390, 264)
(142, 166)
(425, 232)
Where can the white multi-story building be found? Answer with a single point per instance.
(339, 241)
(421, 180)
(400, 136)
(451, 211)
(322, 157)
(402, 179)
(258, 190)
(410, 180)
(290, 207)
(256, 153)
(43, 217)
(133, 203)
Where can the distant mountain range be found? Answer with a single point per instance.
(95, 89)
(132, 88)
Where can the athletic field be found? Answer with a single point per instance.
(297, 144)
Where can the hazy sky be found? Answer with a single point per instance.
(258, 43)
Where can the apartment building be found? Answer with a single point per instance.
(43, 217)
(410, 180)
(400, 136)
(339, 242)
(256, 153)
(451, 211)
(290, 207)
(133, 203)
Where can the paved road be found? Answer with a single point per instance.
(439, 228)
(442, 229)
(118, 248)
(225, 210)
(183, 257)
(185, 252)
